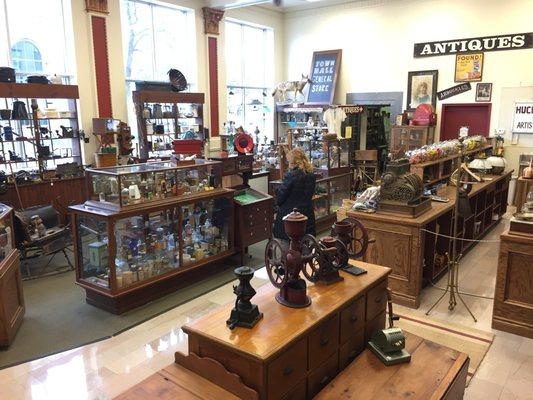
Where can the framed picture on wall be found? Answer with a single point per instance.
(422, 88)
(469, 67)
(483, 92)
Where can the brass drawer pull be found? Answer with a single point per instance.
(287, 371)
(353, 318)
(324, 342)
(324, 379)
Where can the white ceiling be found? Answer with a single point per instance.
(286, 5)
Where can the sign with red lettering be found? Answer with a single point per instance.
(324, 71)
(514, 41)
(523, 117)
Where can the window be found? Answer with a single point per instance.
(249, 76)
(36, 37)
(155, 38)
(26, 57)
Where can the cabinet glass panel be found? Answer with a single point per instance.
(6, 233)
(206, 229)
(320, 200)
(93, 249)
(339, 189)
(345, 153)
(318, 155)
(146, 246)
(334, 151)
(143, 183)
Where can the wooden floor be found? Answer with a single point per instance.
(105, 369)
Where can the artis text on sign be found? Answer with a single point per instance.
(515, 41)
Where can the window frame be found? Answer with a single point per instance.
(242, 86)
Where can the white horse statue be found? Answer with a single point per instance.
(280, 92)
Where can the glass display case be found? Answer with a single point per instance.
(128, 186)
(6, 232)
(122, 254)
(328, 156)
(329, 195)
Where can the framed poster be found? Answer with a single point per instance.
(483, 92)
(324, 72)
(523, 117)
(469, 67)
(422, 88)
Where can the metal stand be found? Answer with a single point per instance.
(452, 287)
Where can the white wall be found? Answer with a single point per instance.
(377, 38)
(85, 62)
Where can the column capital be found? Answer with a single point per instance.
(212, 16)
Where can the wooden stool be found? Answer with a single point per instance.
(435, 372)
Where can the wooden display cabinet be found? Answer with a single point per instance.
(291, 353)
(39, 141)
(11, 295)
(181, 117)
(129, 257)
(513, 297)
(254, 217)
(415, 258)
(410, 137)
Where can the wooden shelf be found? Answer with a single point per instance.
(38, 91)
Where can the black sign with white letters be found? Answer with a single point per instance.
(514, 41)
(454, 90)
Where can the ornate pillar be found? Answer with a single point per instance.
(212, 17)
(97, 10)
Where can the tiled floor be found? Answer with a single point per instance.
(105, 369)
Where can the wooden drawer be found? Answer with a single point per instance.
(298, 393)
(257, 213)
(351, 349)
(374, 325)
(229, 167)
(287, 370)
(320, 377)
(352, 319)
(323, 342)
(376, 300)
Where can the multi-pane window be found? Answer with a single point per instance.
(156, 37)
(36, 38)
(249, 76)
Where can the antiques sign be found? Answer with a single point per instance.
(515, 41)
(454, 90)
(523, 117)
(324, 72)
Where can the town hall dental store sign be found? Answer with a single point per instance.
(516, 41)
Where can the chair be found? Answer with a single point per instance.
(367, 168)
(57, 238)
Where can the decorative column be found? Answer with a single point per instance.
(97, 10)
(212, 17)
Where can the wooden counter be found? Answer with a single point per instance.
(435, 372)
(414, 252)
(290, 353)
(513, 297)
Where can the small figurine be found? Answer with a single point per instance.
(38, 226)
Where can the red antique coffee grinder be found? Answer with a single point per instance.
(323, 259)
(284, 265)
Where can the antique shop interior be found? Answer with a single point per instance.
(266, 199)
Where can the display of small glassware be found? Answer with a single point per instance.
(6, 231)
(323, 153)
(444, 149)
(151, 243)
(118, 187)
